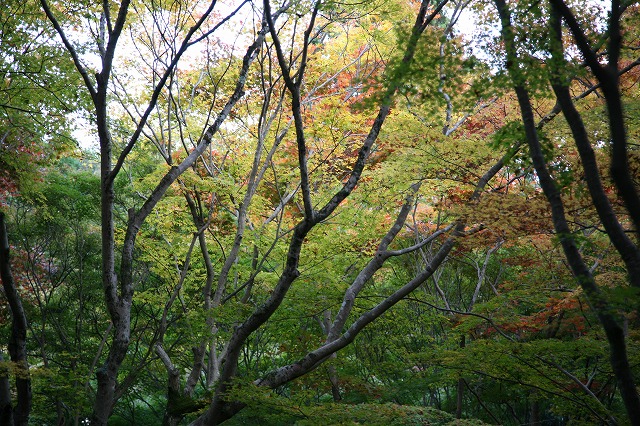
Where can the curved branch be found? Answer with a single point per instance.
(72, 50)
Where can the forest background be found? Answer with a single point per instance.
(319, 212)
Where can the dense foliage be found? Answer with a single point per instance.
(317, 212)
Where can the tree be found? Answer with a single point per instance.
(118, 284)
(333, 206)
(608, 79)
(17, 342)
(37, 95)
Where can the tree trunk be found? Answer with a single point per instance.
(534, 412)
(460, 392)
(607, 314)
(6, 410)
(18, 339)
(335, 384)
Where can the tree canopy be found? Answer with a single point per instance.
(319, 212)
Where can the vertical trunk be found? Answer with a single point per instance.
(172, 417)
(173, 389)
(106, 375)
(534, 412)
(331, 369)
(6, 410)
(18, 339)
(460, 392)
(335, 384)
(62, 418)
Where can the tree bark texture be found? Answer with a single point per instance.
(18, 338)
